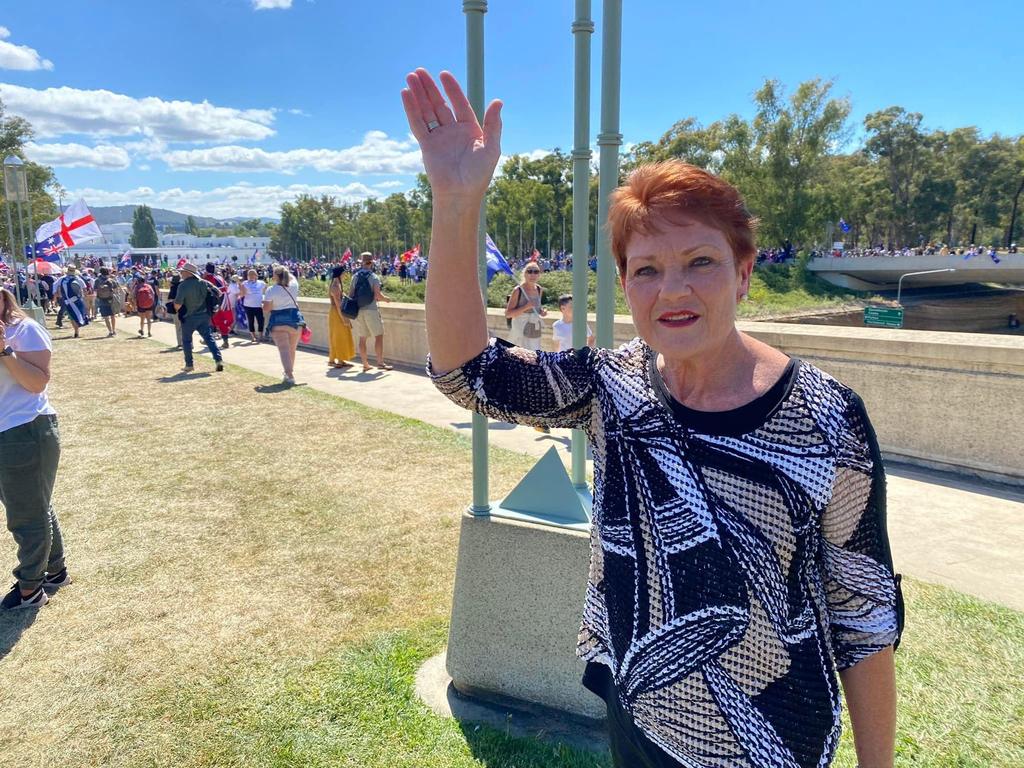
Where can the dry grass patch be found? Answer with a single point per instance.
(210, 526)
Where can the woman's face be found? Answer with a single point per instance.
(531, 274)
(682, 285)
(252, 274)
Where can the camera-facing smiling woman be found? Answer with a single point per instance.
(739, 555)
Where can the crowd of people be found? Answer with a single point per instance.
(931, 249)
(259, 301)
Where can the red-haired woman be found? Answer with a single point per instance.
(740, 560)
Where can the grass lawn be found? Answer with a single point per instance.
(259, 575)
(774, 291)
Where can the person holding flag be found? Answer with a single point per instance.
(70, 293)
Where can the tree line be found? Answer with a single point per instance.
(800, 162)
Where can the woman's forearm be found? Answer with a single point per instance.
(26, 374)
(456, 320)
(870, 690)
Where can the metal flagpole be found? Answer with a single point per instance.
(582, 29)
(474, 11)
(609, 140)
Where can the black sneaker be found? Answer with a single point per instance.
(56, 580)
(14, 601)
(220, 366)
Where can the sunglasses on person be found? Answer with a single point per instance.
(533, 271)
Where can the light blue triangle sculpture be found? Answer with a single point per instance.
(546, 495)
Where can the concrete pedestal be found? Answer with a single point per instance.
(519, 591)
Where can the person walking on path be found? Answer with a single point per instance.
(525, 309)
(89, 280)
(252, 291)
(341, 347)
(71, 291)
(281, 303)
(145, 303)
(740, 565)
(29, 455)
(193, 301)
(172, 293)
(366, 288)
(105, 288)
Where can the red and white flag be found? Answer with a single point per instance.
(411, 254)
(76, 225)
(181, 263)
(346, 257)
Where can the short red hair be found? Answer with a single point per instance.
(671, 190)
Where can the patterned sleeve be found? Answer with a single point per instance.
(864, 598)
(509, 383)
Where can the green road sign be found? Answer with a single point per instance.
(883, 317)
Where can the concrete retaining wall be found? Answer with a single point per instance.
(950, 400)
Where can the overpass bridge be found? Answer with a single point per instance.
(871, 273)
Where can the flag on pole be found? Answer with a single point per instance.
(346, 257)
(76, 225)
(49, 249)
(255, 254)
(992, 255)
(181, 262)
(411, 254)
(844, 226)
(495, 261)
(125, 262)
(535, 255)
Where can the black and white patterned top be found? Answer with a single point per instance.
(738, 560)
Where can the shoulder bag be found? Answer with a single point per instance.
(349, 305)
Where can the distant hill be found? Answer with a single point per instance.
(116, 214)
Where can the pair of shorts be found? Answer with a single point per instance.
(367, 323)
(105, 307)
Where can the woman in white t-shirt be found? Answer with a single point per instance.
(252, 299)
(29, 454)
(281, 302)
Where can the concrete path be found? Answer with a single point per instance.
(951, 531)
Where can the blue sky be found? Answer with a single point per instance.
(220, 108)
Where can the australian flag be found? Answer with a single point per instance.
(843, 225)
(48, 249)
(495, 261)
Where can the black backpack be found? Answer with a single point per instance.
(362, 291)
(214, 298)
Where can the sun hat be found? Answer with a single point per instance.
(190, 267)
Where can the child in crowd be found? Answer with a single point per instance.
(561, 330)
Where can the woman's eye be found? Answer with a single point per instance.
(701, 261)
(644, 271)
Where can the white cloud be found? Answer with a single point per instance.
(223, 202)
(394, 184)
(533, 154)
(60, 111)
(104, 156)
(299, 112)
(20, 56)
(377, 153)
(265, 5)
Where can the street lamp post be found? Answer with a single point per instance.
(14, 189)
(899, 284)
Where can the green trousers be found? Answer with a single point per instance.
(29, 455)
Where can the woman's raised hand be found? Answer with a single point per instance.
(459, 155)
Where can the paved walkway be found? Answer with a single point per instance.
(962, 534)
